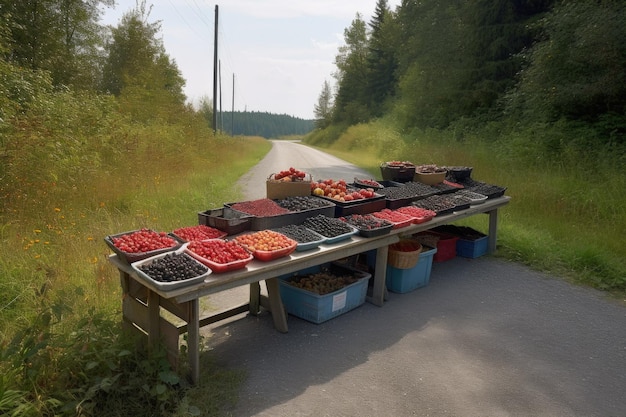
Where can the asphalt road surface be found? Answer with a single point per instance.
(486, 337)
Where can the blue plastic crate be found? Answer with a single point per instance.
(405, 280)
(320, 308)
(471, 243)
(472, 248)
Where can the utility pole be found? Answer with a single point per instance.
(232, 111)
(215, 72)
(221, 113)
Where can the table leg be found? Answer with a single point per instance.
(154, 319)
(380, 275)
(493, 230)
(193, 340)
(276, 305)
(255, 298)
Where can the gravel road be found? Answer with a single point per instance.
(486, 337)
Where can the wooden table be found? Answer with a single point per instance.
(143, 302)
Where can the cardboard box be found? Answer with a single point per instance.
(277, 190)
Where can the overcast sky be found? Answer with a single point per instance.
(279, 52)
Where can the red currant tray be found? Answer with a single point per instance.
(220, 267)
(137, 256)
(198, 232)
(420, 215)
(398, 219)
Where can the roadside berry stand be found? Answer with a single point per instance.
(317, 234)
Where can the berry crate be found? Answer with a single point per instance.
(401, 281)
(317, 308)
(471, 243)
(445, 243)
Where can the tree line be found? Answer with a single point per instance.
(264, 124)
(431, 64)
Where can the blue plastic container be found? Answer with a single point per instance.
(472, 248)
(320, 308)
(405, 280)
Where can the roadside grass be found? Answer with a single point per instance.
(60, 299)
(565, 216)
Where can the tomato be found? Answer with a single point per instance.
(143, 240)
(218, 251)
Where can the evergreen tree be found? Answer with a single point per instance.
(352, 99)
(323, 108)
(381, 59)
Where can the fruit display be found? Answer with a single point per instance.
(401, 171)
(438, 203)
(141, 244)
(429, 169)
(458, 173)
(475, 198)
(396, 218)
(329, 227)
(338, 190)
(489, 190)
(409, 190)
(173, 267)
(143, 240)
(289, 175)
(199, 232)
(420, 215)
(323, 282)
(219, 255)
(399, 164)
(262, 207)
(266, 245)
(371, 183)
(367, 224)
(302, 203)
(300, 234)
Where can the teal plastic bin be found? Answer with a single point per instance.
(405, 280)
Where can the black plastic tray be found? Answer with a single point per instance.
(231, 221)
(293, 217)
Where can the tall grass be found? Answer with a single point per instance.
(566, 214)
(72, 176)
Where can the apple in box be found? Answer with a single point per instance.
(290, 175)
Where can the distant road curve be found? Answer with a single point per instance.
(285, 154)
